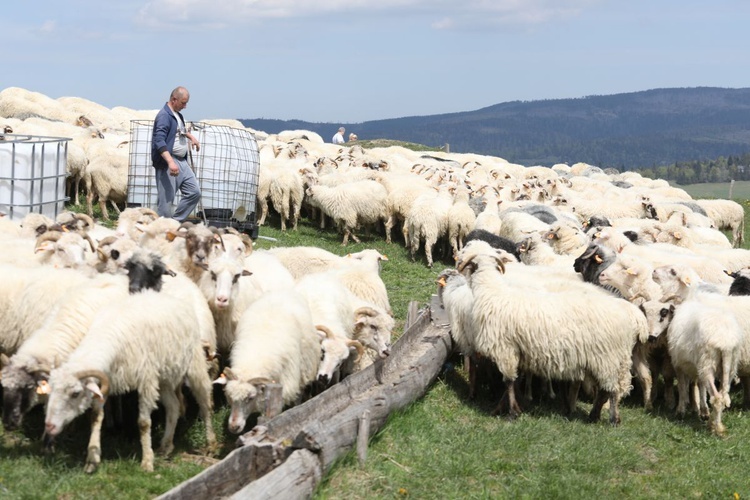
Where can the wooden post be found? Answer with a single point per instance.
(731, 188)
(447, 148)
(274, 403)
(363, 436)
(412, 312)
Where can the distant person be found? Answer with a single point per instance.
(338, 137)
(353, 137)
(169, 153)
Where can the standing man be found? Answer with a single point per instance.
(338, 137)
(169, 152)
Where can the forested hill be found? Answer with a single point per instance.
(626, 131)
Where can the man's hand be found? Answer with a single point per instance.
(174, 169)
(194, 142)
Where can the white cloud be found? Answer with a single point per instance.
(48, 27)
(450, 14)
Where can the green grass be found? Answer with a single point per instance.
(442, 446)
(740, 190)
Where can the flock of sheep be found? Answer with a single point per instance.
(566, 273)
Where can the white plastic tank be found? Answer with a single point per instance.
(33, 170)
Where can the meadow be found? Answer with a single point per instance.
(442, 446)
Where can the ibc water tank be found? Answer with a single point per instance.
(32, 175)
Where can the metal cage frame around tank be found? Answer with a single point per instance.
(227, 168)
(33, 175)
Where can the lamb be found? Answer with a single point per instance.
(351, 205)
(704, 341)
(151, 352)
(582, 345)
(270, 348)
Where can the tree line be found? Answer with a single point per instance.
(722, 169)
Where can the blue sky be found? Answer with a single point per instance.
(358, 60)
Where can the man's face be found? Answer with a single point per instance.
(180, 101)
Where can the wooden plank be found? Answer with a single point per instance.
(295, 478)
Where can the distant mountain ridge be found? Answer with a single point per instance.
(626, 131)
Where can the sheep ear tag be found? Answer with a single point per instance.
(598, 259)
(42, 387)
(686, 281)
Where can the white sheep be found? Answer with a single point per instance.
(152, 352)
(332, 313)
(351, 205)
(276, 342)
(513, 334)
(64, 326)
(428, 221)
(726, 214)
(704, 341)
(461, 219)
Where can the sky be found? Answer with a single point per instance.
(350, 61)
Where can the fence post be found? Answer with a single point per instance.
(731, 188)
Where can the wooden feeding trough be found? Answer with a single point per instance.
(287, 455)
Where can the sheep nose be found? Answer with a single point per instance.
(50, 428)
(323, 378)
(385, 353)
(222, 301)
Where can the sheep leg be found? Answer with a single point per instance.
(144, 426)
(602, 397)
(745, 381)
(682, 392)
(667, 373)
(263, 209)
(171, 403)
(90, 203)
(717, 405)
(346, 237)
(703, 410)
(572, 396)
(528, 387)
(77, 184)
(388, 228)
(202, 389)
(103, 207)
(115, 207)
(514, 410)
(614, 409)
(643, 373)
(94, 454)
(471, 367)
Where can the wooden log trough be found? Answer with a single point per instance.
(286, 456)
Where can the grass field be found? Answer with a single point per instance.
(442, 446)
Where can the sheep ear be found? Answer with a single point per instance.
(4, 360)
(94, 388)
